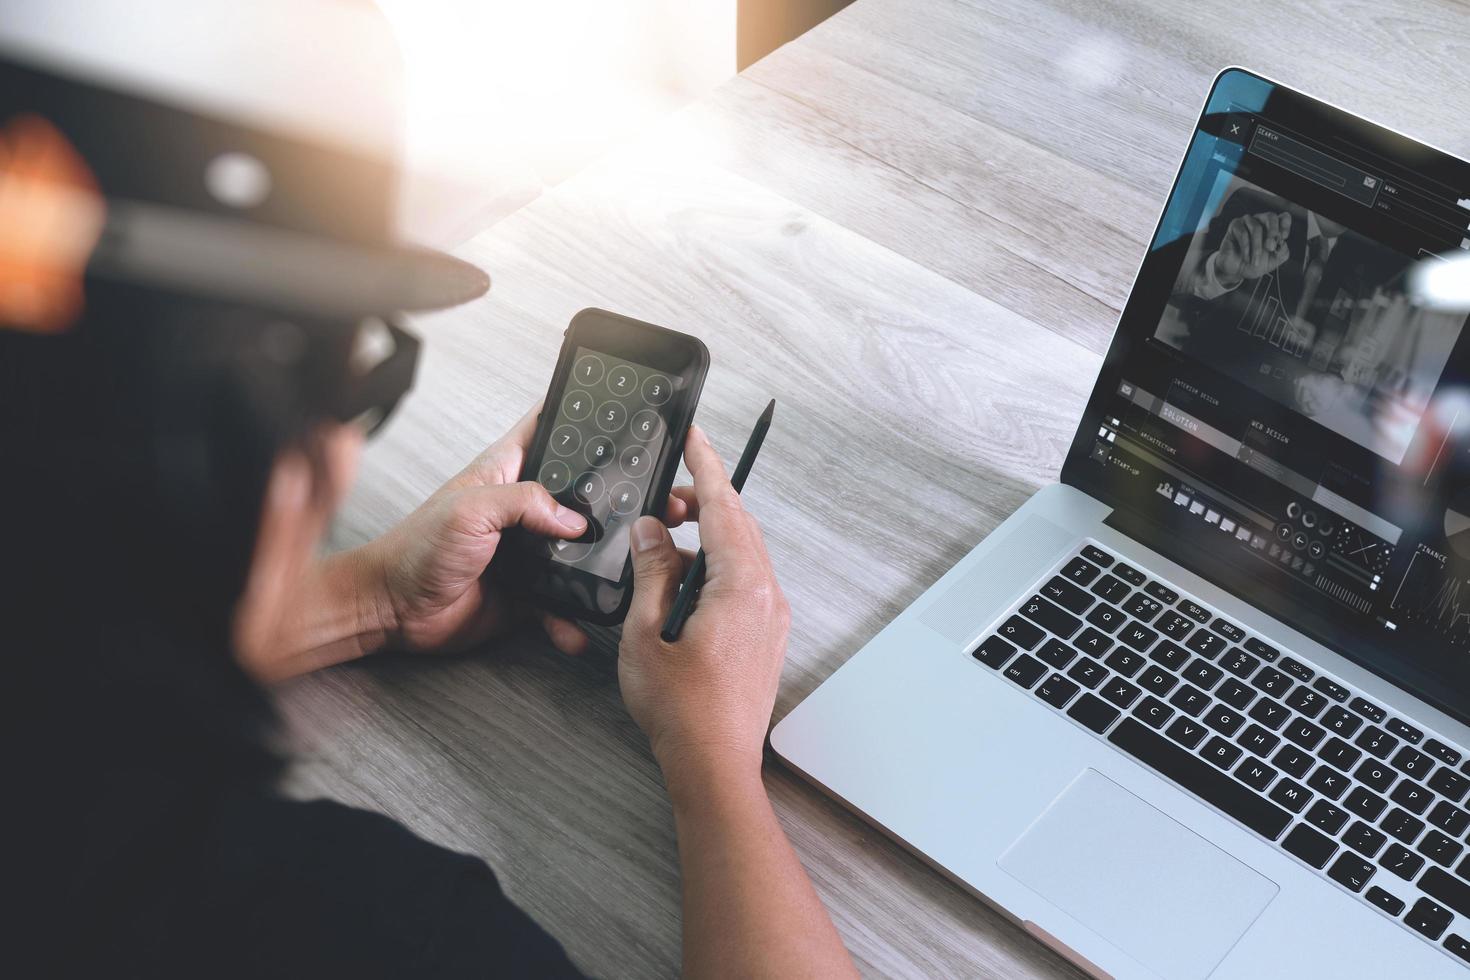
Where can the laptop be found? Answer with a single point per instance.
(1202, 708)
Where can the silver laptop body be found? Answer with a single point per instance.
(1199, 708)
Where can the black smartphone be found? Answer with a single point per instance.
(607, 444)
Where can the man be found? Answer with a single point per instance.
(173, 453)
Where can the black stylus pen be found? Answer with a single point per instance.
(689, 591)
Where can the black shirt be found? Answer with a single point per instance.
(147, 841)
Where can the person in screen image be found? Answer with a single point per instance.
(1310, 313)
(173, 457)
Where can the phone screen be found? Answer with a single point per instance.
(603, 453)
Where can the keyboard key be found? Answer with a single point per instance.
(1138, 636)
(1439, 848)
(1224, 719)
(1198, 777)
(1367, 709)
(1056, 690)
(1235, 693)
(1194, 610)
(1329, 782)
(1442, 752)
(1269, 713)
(1206, 644)
(1053, 617)
(1255, 773)
(1293, 760)
(1239, 663)
(1351, 872)
(1331, 688)
(1306, 701)
(1375, 775)
(1364, 839)
(1142, 608)
(1303, 733)
(1025, 670)
(1186, 731)
(1056, 653)
(1450, 785)
(1339, 753)
(1272, 681)
(1106, 618)
(1080, 570)
(1429, 918)
(1340, 722)
(1402, 825)
(1093, 712)
(1228, 630)
(1290, 794)
(1326, 816)
(1387, 901)
(1190, 700)
(1088, 672)
(1458, 945)
(1298, 670)
(1377, 742)
(1404, 730)
(1412, 762)
(1449, 818)
(1096, 555)
(1130, 574)
(1153, 711)
(1401, 861)
(1171, 655)
(993, 652)
(1202, 674)
(1220, 752)
(1092, 642)
(1111, 590)
(1451, 891)
(1162, 593)
(1311, 846)
(1258, 740)
(1023, 634)
(1120, 692)
(1262, 649)
(1173, 626)
(1365, 803)
(1411, 796)
(1157, 680)
(1126, 662)
(1067, 595)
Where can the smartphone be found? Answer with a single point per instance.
(607, 444)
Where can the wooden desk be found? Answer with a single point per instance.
(914, 227)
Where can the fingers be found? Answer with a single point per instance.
(682, 507)
(724, 527)
(657, 569)
(565, 635)
(527, 504)
(1257, 239)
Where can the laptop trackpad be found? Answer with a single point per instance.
(1137, 877)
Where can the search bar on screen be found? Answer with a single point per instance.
(1292, 154)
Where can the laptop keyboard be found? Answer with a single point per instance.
(1371, 801)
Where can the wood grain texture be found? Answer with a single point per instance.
(913, 227)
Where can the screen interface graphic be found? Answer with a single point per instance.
(600, 460)
(1280, 399)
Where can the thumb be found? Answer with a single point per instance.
(527, 504)
(656, 571)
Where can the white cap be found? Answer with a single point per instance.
(326, 69)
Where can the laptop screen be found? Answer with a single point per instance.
(1279, 410)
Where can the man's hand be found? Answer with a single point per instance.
(705, 700)
(1253, 245)
(433, 596)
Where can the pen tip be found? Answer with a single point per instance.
(770, 410)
